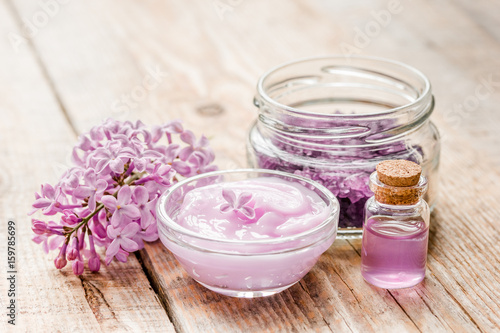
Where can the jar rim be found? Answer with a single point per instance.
(425, 94)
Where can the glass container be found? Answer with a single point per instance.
(395, 236)
(332, 119)
(238, 267)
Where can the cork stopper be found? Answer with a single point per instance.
(398, 172)
(398, 182)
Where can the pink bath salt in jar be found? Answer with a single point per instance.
(396, 227)
(247, 233)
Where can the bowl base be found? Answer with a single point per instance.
(246, 293)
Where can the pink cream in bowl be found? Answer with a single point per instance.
(247, 233)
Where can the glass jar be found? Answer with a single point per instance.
(332, 119)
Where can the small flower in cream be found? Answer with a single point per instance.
(237, 204)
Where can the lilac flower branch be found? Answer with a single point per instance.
(107, 199)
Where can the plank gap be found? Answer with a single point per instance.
(453, 297)
(306, 290)
(43, 68)
(430, 309)
(95, 298)
(404, 311)
(155, 284)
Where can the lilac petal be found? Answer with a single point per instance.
(117, 218)
(72, 178)
(122, 255)
(243, 199)
(185, 153)
(188, 137)
(151, 154)
(203, 141)
(91, 202)
(96, 134)
(229, 196)
(157, 133)
(150, 234)
(199, 158)
(55, 242)
(45, 246)
(127, 152)
(84, 143)
(248, 212)
(141, 195)
(38, 239)
(82, 192)
(95, 263)
(90, 177)
(41, 203)
(174, 127)
(112, 232)
(182, 168)
(78, 267)
(48, 191)
(113, 248)
(102, 153)
(131, 211)
(130, 230)
(116, 165)
(76, 159)
(172, 152)
(51, 209)
(124, 196)
(109, 201)
(139, 241)
(101, 165)
(101, 185)
(146, 218)
(129, 245)
(100, 231)
(140, 164)
(226, 208)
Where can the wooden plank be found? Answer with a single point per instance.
(36, 140)
(209, 70)
(457, 55)
(197, 309)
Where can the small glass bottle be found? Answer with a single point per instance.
(396, 226)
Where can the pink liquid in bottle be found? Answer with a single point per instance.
(394, 252)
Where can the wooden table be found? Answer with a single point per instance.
(67, 65)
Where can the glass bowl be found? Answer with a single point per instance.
(245, 268)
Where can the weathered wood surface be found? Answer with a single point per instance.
(78, 69)
(36, 139)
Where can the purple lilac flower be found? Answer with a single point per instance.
(193, 145)
(108, 197)
(50, 201)
(145, 206)
(120, 207)
(122, 238)
(60, 260)
(93, 190)
(113, 156)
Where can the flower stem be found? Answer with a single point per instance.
(85, 220)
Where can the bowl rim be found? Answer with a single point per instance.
(164, 220)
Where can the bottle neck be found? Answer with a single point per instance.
(397, 196)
